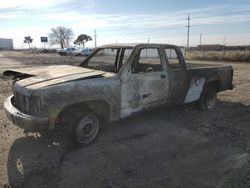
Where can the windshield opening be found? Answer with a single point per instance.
(108, 59)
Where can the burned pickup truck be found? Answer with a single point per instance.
(114, 82)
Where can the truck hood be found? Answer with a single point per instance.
(43, 76)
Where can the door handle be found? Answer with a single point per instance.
(163, 76)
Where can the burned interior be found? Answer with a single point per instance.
(109, 59)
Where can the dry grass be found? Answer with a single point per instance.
(29, 58)
(239, 56)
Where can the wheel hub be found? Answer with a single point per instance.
(87, 129)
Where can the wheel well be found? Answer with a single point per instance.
(99, 107)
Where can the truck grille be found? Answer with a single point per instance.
(20, 102)
(29, 105)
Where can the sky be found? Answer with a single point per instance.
(131, 21)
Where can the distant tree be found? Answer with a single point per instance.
(82, 39)
(28, 40)
(61, 36)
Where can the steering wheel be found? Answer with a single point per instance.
(149, 69)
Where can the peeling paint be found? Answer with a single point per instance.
(195, 90)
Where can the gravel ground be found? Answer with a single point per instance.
(177, 147)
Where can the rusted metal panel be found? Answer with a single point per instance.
(84, 91)
(143, 91)
(40, 82)
(55, 71)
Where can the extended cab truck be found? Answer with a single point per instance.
(114, 82)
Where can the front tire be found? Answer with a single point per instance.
(85, 128)
(208, 98)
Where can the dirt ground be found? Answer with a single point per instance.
(179, 147)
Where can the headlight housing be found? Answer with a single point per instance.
(32, 105)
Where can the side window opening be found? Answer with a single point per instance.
(109, 59)
(173, 59)
(104, 60)
(148, 60)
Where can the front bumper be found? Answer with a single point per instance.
(25, 121)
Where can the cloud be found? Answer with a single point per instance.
(31, 4)
(205, 16)
(81, 17)
(26, 8)
(74, 12)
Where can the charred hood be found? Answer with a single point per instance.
(38, 77)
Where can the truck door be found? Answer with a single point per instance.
(145, 82)
(177, 75)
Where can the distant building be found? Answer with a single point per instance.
(214, 47)
(6, 44)
(242, 48)
(218, 47)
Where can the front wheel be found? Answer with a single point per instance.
(85, 128)
(208, 98)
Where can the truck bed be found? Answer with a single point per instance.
(202, 65)
(219, 72)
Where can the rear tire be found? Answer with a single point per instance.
(208, 98)
(85, 128)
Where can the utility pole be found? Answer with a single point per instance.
(224, 41)
(200, 39)
(188, 28)
(224, 47)
(95, 38)
(147, 49)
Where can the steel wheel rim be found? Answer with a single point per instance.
(87, 129)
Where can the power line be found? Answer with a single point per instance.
(200, 38)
